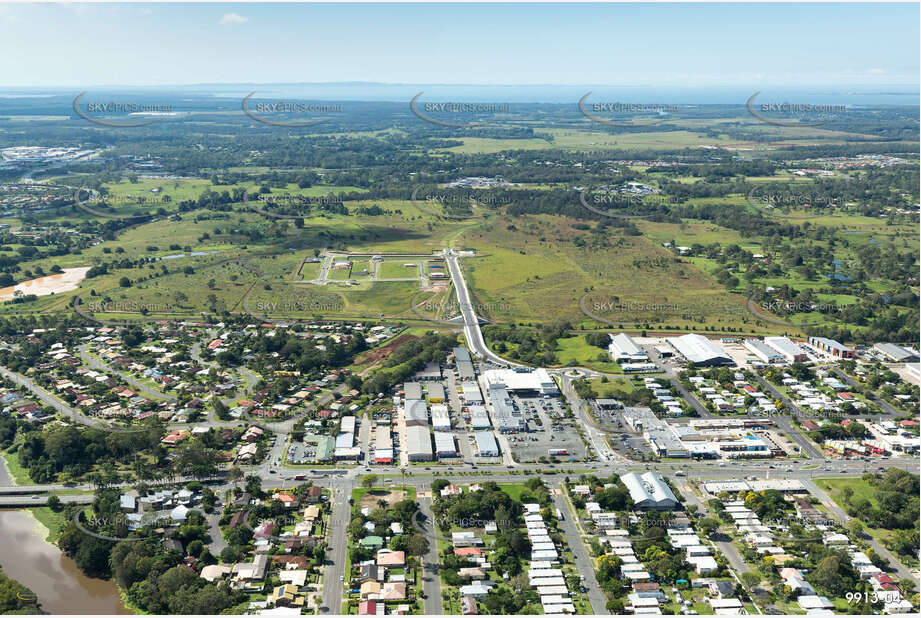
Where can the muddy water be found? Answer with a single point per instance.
(64, 281)
(40, 566)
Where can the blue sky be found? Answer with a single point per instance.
(653, 44)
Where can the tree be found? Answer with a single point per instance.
(235, 474)
(368, 481)
(418, 545)
(221, 410)
(708, 525)
(854, 526)
(54, 503)
(751, 579)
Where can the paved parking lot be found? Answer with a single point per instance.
(549, 430)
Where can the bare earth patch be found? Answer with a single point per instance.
(391, 497)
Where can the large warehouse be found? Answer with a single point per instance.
(649, 492)
(383, 446)
(479, 418)
(832, 347)
(472, 394)
(412, 390)
(763, 351)
(624, 349)
(419, 443)
(507, 418)
(537, 382)
(436, 392)
(441, 418)
(415, 413)
(895, 353)
(486, 444)
(444, 444)
(791, 351)
(698, 350)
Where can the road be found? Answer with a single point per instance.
(334, 571)
(15, 501)
(472, 331)
(95, 363)
(838, 513)
(888, 409)
(584, 563)
(596, 436)
(49, 399)
(431, 583)
(783, 422)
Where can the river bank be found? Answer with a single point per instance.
(60, 586)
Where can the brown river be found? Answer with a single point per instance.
(40, 566)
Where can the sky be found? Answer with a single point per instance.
(692, 45)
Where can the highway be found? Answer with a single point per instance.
(471, 323)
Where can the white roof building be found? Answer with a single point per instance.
(699, 350)
(649, 491)
(623, 348)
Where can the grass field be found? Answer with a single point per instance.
(397, 270)
(533, 271)
(863, 490)
(575, 350)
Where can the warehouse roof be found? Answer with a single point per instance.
(698, 349)
(649, 490)
(418, 440)
(412, 390)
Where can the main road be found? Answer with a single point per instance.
(471, 321)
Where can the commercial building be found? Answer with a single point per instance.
(830, 346)
(419, 443)
(623, 349)
(507, 418)
(318, 448)
(441, 418)
(345, 438)
(444, 444)
(661, 438)
(432, 371)
(486, 444)
(464, 364)
(415, 413)
(436, 392)
(649, 492)
(763, 351)
(790, 350)
(895, 353)
(479, 418)
(383, 446)
(471, 393)
(461, 355)
(465, 370)
(525, 383)
(412, 390)
(698, 350)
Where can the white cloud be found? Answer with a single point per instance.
(8, 16)
(232, 18)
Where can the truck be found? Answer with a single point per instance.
(557, 451)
